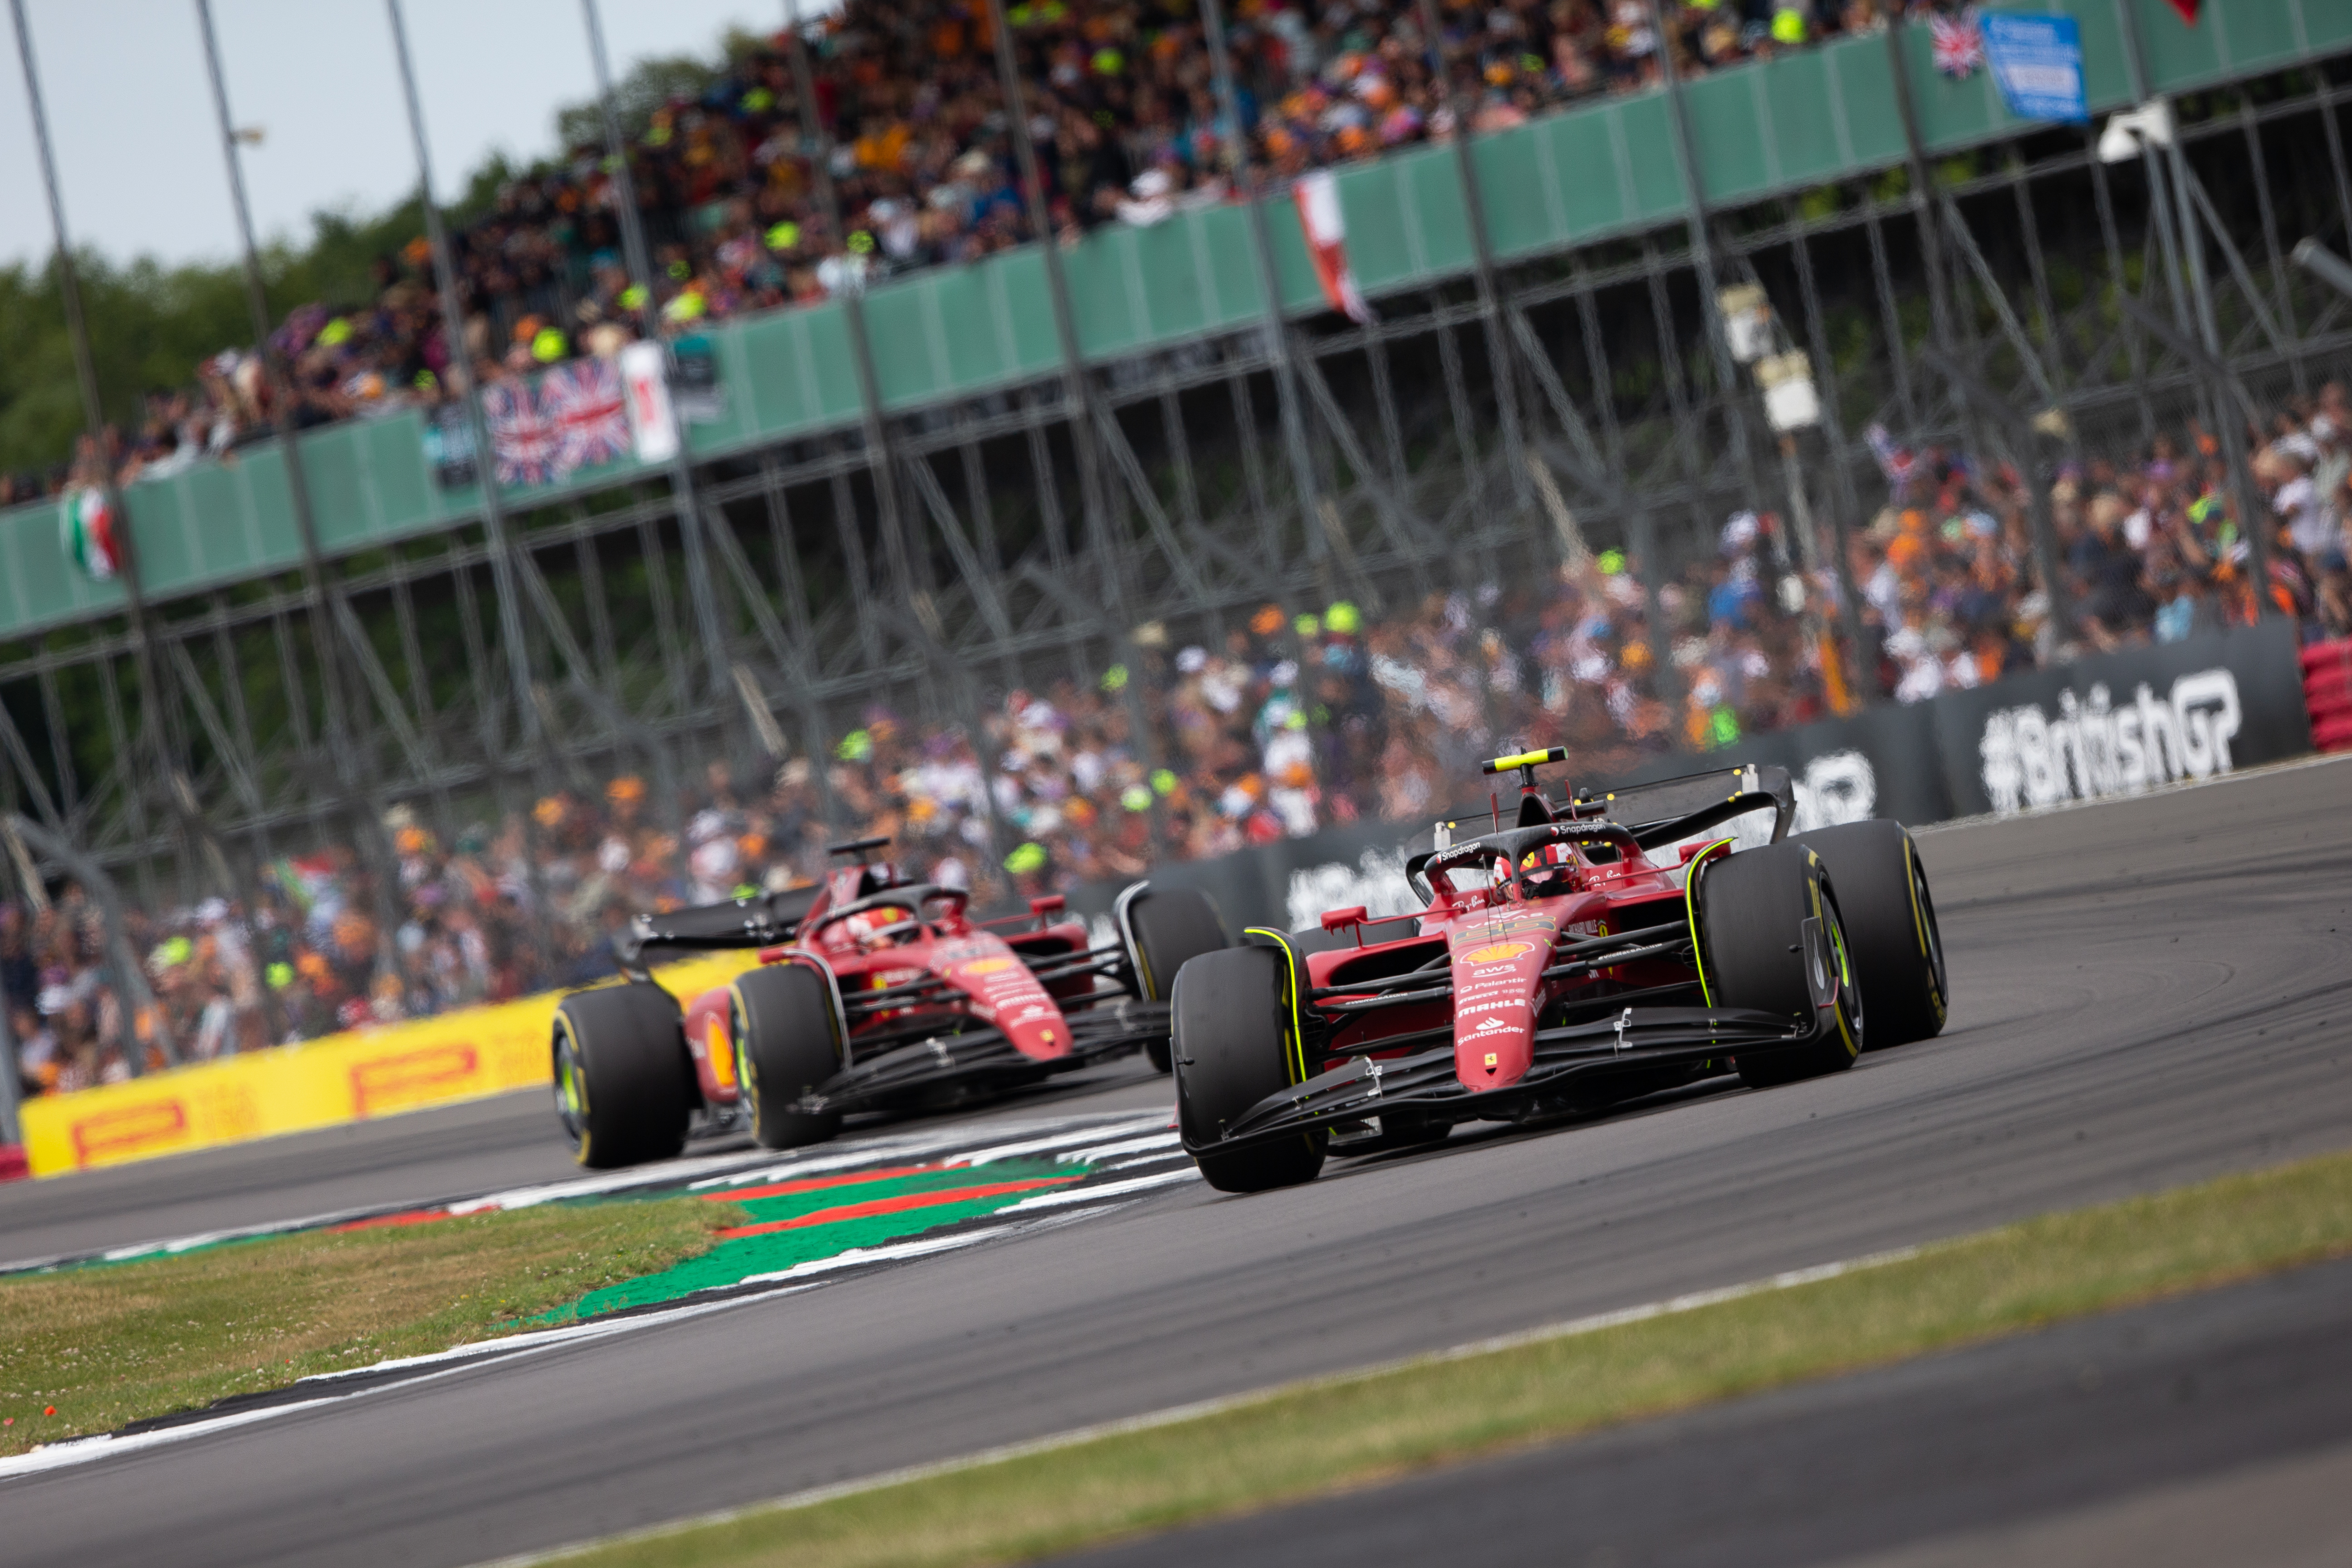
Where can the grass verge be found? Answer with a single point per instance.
(1319, 1437)
(108, 1344)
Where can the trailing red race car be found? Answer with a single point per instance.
(874, 993)
(1557, 968)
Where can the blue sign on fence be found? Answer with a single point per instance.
(2037, 62)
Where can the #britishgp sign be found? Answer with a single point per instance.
(2037, 63)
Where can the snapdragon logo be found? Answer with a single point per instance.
(2095, 748)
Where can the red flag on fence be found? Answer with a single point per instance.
(2187, 9)
(1317, 195)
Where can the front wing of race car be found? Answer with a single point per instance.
(913, 1039)
(951, 1060)
(1628, 1039)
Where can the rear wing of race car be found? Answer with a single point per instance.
(763, 919)
(1677, 808)
(1668, 809)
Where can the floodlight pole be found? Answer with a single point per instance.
(691, 518)
(505, 579)
(134, 599)
(327, 608)
(461, 370)
(1277, 327)
(2192, 303)
(1078, 391)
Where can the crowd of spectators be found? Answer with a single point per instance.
(1122, 103)
(1287, 722)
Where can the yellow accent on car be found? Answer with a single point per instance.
(1297, 1041)
(1525, 760)
(721, 1050)
(1690, 911)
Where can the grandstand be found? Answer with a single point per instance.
(996, 500)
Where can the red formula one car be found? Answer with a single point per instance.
(873, 993)
(1557, 968)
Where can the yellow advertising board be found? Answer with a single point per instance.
(350, 1076)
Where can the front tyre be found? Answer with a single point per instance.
(787, 1042)
(623, 1088)
(1232, 1046)
(1890, 927)
(1752, 908)
(1169, 929)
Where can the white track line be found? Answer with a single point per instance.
(698, 1173)
(1571, 1329)
(1053, 1129)
(1109, 1190)
(1104, 1150)
(1151, 1121)
(459, 1358)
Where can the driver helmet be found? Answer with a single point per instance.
(865, 922)
(1548, 865)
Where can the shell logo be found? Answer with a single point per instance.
(990, 965)
(1496, 951)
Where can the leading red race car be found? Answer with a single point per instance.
(1556, 968)
(873, 993)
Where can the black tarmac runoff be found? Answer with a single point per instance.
(2146, 993)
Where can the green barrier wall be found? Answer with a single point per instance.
(1583, 174)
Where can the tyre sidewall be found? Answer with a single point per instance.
(1751, 908)
(1890, 928)
(621, 1064)
(788, 1041)
(1171, 927)
(1235, 1044)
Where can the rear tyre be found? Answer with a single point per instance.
(623, 1088)
(1169, 928)
(1890, 928)
(787, 1042)
(1751, 909)
(1233, 1049)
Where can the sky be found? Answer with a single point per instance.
(131, 112)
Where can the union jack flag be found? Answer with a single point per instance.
(522, 437)
(1896, 464)
(582, 402)
(1959, 44)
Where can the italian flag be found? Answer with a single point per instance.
(88, 532)
(1317, 196)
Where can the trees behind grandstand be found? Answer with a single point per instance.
(153, 323)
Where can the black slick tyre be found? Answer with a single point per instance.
(1233, 1044)
(1751, 909)
(787, 1042)
(623, 1088)
(1171, 927)
(1890, 927)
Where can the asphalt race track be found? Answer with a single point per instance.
(2211, 1430)
(2145, 993)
